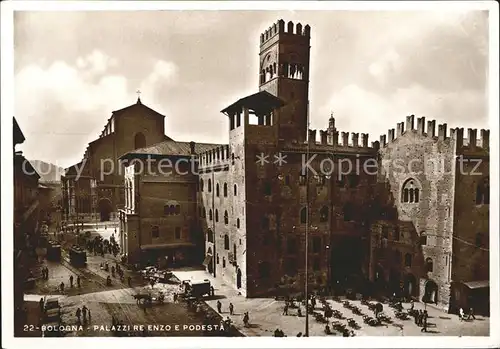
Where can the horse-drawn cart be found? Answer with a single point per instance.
(147, 299)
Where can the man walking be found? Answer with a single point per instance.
(285, 309)
(471, 314)
(219, 307)
(231, 308)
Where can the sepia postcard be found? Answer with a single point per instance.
(209, 170)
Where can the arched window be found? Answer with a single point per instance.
(210, 235)
(429, 265)
(483, 192)
(217, 190)
(234, 251)
(216, 215)
(226, 242)
(235, 190)
(203, 212)
(226, 218)
(423, 238)
(201, 185)
(323, 214)
(265, 223)
(408, 260)
(210, 215)
(238, 223)
(410, 191)
(225, 190)
(303, 215)
(166, 210)
(139, 140)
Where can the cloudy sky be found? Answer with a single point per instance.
(370, 68)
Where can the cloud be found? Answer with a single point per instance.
(360, 110)
(386, 65)
(69, 101)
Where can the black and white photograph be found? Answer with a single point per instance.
(210, 170)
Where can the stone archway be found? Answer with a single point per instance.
(238, 278)
(105, 209)
(430, 292)
(410, 286)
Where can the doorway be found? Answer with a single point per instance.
(105, 209)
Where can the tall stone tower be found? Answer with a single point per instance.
(284, 72)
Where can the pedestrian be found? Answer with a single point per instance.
(42, 305)
(412, 304)
(84, 313)
(471, 314)
(78, 281)
(78, 314)
(129, 279)
(285, 309)
(61, 286)
(461, 314)
(89, 315)
(175, 297)
(219, 307)
(424, 324)
(71, 281)
(231, 308)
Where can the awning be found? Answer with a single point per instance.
(166, 246)
(477, 284)
(208, 259)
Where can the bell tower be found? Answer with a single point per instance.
(284, 72)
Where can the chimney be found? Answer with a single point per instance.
(323, 136)
(355, 140)
(421, 125)
(442, 132)
(383, 140)
(345, 139)
(400, 128)
(364, 140)
(391, 135)
(431, 128)
(472, 134)
(410, 122)
(192, 147)
(485, 139)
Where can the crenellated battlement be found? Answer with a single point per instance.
(215, 157)
(347, 139)
(471, 142)
(290, 29)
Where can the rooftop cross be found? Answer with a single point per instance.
(138, 96)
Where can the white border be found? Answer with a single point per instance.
(7, 111)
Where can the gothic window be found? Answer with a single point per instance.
(216, 215)
(303, 215)
(218, 260)
(225, 190)
(201, 184)
(203, 212)
(316, 244)
(139, 140)
(226, 218)
(429, 265)
(210, 214)
(235, 190)
(264, 270)
(232, 158)
(234, 252)
(410, 191)
(217, 190)
(323, 214)
(210, 235)
(209, 185)
(483, 192)
(238, 223)
(155, 231)
(408, 260)
(423, 238)
(223, 262)
(226, 242)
